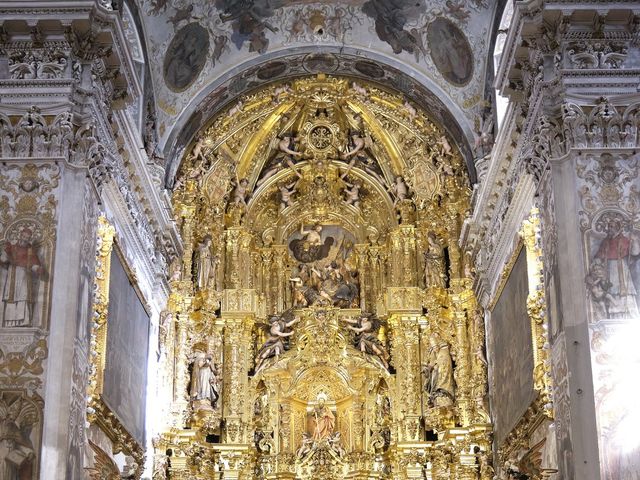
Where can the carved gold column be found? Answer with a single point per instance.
(284, 427)
(266, 256)
(280, 254)
(440, 468)
(405, 357)
(462, 373)
(237, 348)
(361, 253)
(232, 264)
(245, 240)
(409, 263)
(395, 267)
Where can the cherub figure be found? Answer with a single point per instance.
(399, 189)
(306, 447)
(240, 192)
(352, 193)
(286, 193)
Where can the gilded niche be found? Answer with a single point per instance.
(321, 321)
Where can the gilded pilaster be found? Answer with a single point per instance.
(405, 358)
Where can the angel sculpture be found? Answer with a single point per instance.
(16, 450)
(284, 158)
(307, 445)
(279, 330)
(366, 340)
(356, 156)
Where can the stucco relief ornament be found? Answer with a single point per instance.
(37, 64)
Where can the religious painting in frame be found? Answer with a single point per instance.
(511, 350)
(125, 374)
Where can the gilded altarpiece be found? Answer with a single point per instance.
(321, 322)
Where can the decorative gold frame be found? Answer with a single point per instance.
(98, 412)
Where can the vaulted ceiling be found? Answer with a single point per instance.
(203, 54)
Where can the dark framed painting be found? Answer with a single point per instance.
(511, 358)
(125, 374)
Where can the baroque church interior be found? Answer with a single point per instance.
(299, 239)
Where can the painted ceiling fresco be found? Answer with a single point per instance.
(193, 45)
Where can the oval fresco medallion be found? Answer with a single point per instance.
(271, 70)
(186, 56)
(369, 69)
(450, 51)
(320, 63)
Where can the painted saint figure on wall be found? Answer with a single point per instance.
(20, 286)
(613, 279)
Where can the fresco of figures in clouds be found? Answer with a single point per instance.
(192, 43)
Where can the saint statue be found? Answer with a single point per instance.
(434, 267)
(205, 384)
(205, 263)
(438, 373)
(20, 286)
(324, 420)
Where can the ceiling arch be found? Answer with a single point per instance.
(286, 65)
(203, 54)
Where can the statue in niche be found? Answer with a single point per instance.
(324, 419)
(205, 264)
(366, 341)
(16, 450)
(205, 382)
(434, 266)
(130, 468)
(279, 330)
(438, 373)
(175, 270)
